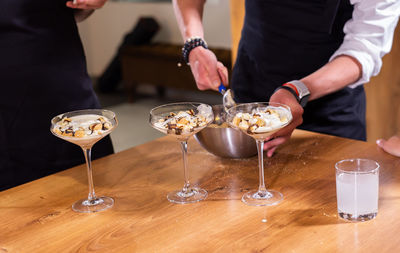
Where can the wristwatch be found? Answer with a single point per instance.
(298, 89)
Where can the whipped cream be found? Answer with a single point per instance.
(262, 120)
(185, 122)
(83, 126)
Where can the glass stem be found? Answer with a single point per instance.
(87, 152)
(260, 149)
(186, 186)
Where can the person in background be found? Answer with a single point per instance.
(42, 74)
(392, 145)
(313, 56)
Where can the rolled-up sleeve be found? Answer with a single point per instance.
(369, 35)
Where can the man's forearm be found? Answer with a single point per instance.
(189, 17)
(335, 75)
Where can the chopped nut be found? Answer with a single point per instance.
(252, 128)
(101, 119)
(106, 126)
(171, 126)
(57, 131)
(68, 132)
(236, 121)
(96, 126)
(183, 121)
(243, 125)
(79, 134)
(260, 122)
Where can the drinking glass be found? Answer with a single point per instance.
(255, 129)
(84, 128)
(179, 120)
(357, 189)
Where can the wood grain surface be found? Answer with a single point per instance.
(37, 217)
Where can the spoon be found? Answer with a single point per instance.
(227, 97)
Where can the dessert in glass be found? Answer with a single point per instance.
(84, 128)
(260, 120)
(182, 120)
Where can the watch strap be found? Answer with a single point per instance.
(290, 90)
(290, 85)
(298, 89)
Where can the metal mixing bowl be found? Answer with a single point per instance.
(225, 141)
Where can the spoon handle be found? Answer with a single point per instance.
(221, 89)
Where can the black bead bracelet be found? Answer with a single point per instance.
(189, 45)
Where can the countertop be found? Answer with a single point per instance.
(37, 216)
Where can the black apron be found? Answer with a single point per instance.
(284, 40)
(42, 74)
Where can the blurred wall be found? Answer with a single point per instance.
(103, 31)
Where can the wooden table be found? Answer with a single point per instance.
(37, 217)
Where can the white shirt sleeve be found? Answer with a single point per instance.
(369, 35)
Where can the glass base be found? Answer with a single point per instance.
(193, 195)
(256, 198)
(361, 217)
(96, 205)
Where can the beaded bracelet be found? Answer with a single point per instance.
(191, 43)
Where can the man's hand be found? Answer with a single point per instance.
(208, 72)
(284, 97)
(392, 146)
(84, 8)
(86, 4)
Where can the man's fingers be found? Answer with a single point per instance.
(380, 142)
(271, 151)
(201, 76)
(392, 145)
(214, 79)
(272, 144)
(211, 67)
(207, 78)
(86, 4)
(223, 73)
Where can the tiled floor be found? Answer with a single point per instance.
(133, 128)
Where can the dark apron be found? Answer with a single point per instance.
(284, 40)
(42, 74)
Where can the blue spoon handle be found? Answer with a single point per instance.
(222, 88)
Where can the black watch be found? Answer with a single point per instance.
(298, 89)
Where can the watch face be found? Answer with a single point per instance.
(302, 88)
(304, 93)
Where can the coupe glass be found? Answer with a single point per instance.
(172, 119)
(262, 196)
(84, 128)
